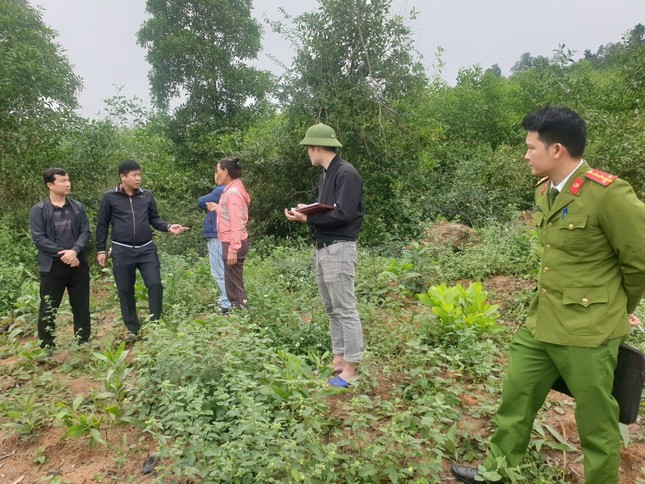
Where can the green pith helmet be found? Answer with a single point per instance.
(320, 135)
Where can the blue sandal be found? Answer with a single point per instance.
(339, 382)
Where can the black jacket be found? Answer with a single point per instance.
(42, 232)
(129, 217)
(342, 187)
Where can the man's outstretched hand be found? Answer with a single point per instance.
(177, 229)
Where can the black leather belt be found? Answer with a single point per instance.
(322, 245)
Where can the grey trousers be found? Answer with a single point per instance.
(335, 270)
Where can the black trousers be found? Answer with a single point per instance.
(125, 262)
(52, 287)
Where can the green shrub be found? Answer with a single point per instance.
(189, 287)
(510, 248)
(458, 309)
(17, 263)
(226, 406)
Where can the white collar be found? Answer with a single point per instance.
(561, 185)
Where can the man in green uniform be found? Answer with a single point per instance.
(591, 226)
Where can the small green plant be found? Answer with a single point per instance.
(41, 457)
(25, 308)
(493, 475)
(114, 370)
(78, 424)
(31, 352)
(407, 274)
(26, 414)
(448, 442)
(401, 274)
(114, 373)
(9, 339)
(543, 430)
(459, 309)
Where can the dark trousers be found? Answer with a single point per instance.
(234, 275)
(52, 287)
(125, 262)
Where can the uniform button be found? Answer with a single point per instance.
(546, 269)
(547, 247)
(549, 225)
(543, 291)
(570, 226)
(585, 301)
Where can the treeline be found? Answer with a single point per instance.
(426, 149)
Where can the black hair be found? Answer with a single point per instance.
(331, 149)
(232, 165)
(126, 166)
(49, 175)
(555, 124)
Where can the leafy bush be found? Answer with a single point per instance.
(477, 185)
(189, 287)
(510, 248)
(17, 263)
(458, 309)
(228, 407)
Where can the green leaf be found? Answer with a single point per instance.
(78, 401)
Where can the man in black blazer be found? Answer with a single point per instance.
(60, 230)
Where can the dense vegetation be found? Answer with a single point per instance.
(435, 149)
(236, 399)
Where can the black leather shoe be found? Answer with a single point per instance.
(131, 338)
(46, 358)
(465, 474)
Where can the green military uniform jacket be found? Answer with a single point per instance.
(592, 271)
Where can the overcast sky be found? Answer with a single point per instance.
(99, 36)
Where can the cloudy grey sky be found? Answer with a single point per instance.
(99, 36)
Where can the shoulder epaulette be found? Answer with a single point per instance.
(605, 179)
(540, 183)
(542, 180)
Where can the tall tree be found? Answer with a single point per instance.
(351, 48)
(198, 50)
(355, 68)
(37, 96)
(528, 62)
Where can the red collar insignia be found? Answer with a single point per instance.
(577, 185)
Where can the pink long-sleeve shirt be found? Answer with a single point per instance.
(233, 214)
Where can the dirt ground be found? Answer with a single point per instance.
(71, 460)
(560, 417)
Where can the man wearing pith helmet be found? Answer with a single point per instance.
(334, 233)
